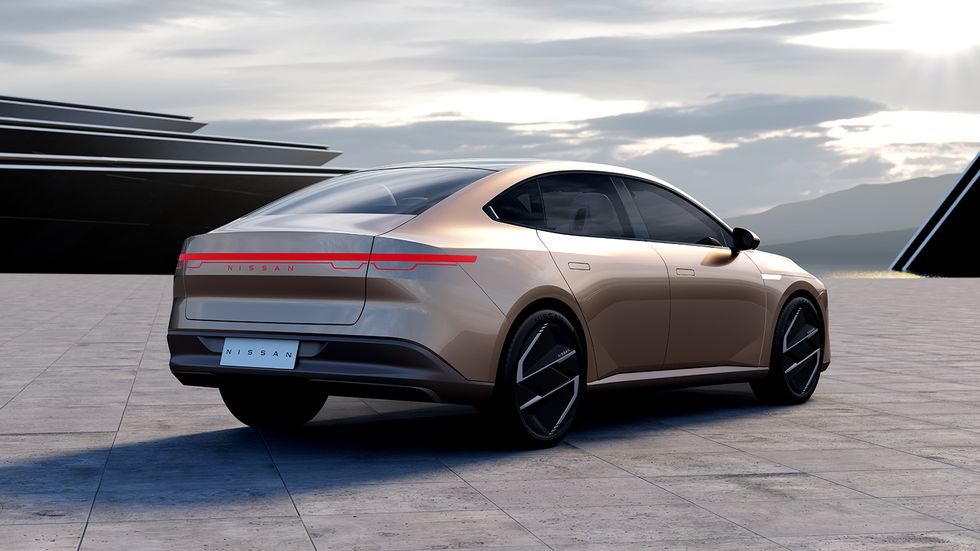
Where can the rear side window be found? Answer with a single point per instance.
(520, 205)
(388, 191)
(577, 204)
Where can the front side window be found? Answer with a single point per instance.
(387, 191)
(672, 218)
(576, 204)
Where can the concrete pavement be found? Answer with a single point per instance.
(100, 448)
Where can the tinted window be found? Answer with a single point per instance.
(578, 204)
(669, 217)
(521, 205)
(389, 191)
(583, 204)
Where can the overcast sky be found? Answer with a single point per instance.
(746, 104)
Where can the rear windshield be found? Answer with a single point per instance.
(387, 191)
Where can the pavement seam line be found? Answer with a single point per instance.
(492, 502)
(105, 465)
(70, 347)
(712, 513)
(285, 487)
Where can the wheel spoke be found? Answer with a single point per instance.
(796, 365)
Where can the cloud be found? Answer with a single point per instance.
(737, 114)
(20, 53)
(46, 16)
(667, 66)
(203, 53)
(627, 11)
(693, 146)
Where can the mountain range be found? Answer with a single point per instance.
(863, 227)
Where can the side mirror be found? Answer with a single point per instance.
(744, 240)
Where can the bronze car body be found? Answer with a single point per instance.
(424, 306)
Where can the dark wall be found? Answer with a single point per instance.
(105, 222)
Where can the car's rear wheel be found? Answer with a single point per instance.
(797, 352)
(272, 404)
(541, 381)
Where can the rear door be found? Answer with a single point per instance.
(620, 283)
(717, 298)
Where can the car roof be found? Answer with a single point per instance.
(484, 164)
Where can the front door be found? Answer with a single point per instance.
(717, 297)
(717, 307)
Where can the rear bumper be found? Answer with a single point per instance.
(348, 366)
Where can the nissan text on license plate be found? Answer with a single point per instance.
(268, 353)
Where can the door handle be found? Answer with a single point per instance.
(684, 271)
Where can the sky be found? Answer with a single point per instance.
(745, 104)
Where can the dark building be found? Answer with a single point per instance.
(95, 189)
(943, 246)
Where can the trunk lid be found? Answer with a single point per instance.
(299, 269)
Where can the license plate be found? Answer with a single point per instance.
(268, 353)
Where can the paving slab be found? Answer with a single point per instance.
(931, 541)
(656, 463)
(560, 526)
(426, 530)
(247, 534)
(800, 517)
(744, 488)
(41, 537)
(588, 492)
(860, 459)
(902, 483)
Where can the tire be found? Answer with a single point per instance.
(265, 405)
(541, 381)
(797, 351)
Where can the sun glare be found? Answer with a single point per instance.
(933, 27)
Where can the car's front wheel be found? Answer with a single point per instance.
(541, 380)
(271, 404)
(797, 353)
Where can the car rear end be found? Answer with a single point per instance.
(315, 288)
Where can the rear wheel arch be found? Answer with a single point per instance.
(540, 380)
(545, 303)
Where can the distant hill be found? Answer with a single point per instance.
(864, 251)
(865, 209)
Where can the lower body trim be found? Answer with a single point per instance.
(348, 366)
(689, 376)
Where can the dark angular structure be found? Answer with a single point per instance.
(96, 189)
(943, 245)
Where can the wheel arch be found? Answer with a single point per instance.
(537, 304)
(799, 289)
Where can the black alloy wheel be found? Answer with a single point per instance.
(542, 380)
(797, 354)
